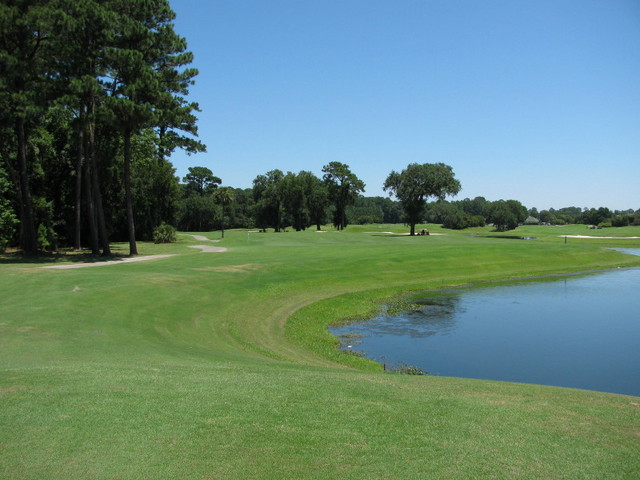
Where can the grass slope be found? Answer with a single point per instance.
(186, 367)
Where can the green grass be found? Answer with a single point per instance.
(219, 365)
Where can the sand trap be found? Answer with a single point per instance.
(200, 238)
(108, 262)
(209, 248)
(408, 234)
(595, 236)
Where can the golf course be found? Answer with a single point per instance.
(211, 359)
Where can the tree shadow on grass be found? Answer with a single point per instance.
(62, 256)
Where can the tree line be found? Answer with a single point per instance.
(92, 103)
(508, 214)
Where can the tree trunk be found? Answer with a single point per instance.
(78, 206)
(103, 239)
(222, 223)
(413, 229)
(28, 238)
(91, 211)
(133, 249)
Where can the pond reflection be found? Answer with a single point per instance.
(437, 316)
(580, 332)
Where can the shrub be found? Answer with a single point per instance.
(476, 221)
(164, 234)
(621, 220)
(47, 238)
(456, 220)
(365, 220)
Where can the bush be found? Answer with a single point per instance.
(365, 220)
(164, 234)
(476, 221)
(47, 238)
(621, 220)
(456, 220)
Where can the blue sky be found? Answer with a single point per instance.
(534, 100)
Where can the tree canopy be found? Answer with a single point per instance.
(413, 185)
(112, 73)
(344, 187)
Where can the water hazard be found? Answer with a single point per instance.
(580, 332)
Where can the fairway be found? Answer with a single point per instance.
(213, 361)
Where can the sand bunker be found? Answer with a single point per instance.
(407, 234)
(595, 236)
(108, 262)
(209, 248)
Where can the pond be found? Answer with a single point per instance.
(578, 331)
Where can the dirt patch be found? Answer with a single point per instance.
(108, 262)
(209, 248)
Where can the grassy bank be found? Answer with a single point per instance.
(186, 367)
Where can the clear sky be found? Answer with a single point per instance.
(533, 100)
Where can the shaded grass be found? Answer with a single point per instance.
(186, 367)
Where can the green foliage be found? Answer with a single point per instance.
(294, 200)
(456, 220)
(164, 233)
(269, 196)
(8, 219)
(223, 197)
(69, 73)
(343, 187)
(366, 219)
(594, 216)
(622, 220)
(506, 215)
(197, 214)
(200, 181)
(415, 184)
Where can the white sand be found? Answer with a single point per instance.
(417, 234)
(595, 236)
(108, 262)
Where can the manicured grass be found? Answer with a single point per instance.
(219, 365)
